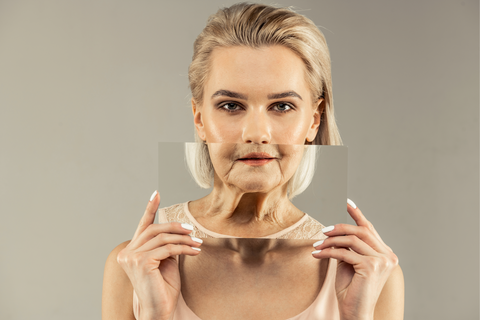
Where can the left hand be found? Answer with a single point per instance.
(364, 264)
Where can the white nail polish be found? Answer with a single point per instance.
(316, 251)
(197, 240)
(327, 229)
(187, 226)
(153, 195)
(351, 203)
(198, 249)
(318, 243)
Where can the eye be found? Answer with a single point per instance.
(230, 107)
(282, 107)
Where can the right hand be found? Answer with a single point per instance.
(149, 262)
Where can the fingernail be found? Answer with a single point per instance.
(187, 226)
(197, 240)
(318, 243)
(316, 251)
(153, 195)
(351, 203)
(327, 229)
(198, 249)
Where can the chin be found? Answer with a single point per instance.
(255, 185)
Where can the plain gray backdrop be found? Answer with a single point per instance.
(88, 89)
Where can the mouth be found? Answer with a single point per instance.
(256, 159)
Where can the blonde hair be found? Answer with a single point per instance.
(256, 25)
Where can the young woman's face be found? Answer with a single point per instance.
(257, 96)
(256, 116)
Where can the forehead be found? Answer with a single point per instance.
(256, 71)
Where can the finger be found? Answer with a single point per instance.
(361, 232)
(351, 241)
(149, 214)
(342, 254)
(356, 214)
(170, 250)
(154, 230)
(167, 238)
(361, 220)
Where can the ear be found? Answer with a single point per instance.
(197, 120)
(316, 118)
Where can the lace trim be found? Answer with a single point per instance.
(176, 213)
(306, 230)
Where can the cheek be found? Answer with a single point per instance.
(291, 157)
(292, 132)
(219, 130)
(221, 156)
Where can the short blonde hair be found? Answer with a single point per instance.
(257, 25)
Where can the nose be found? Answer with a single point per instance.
(256, 129)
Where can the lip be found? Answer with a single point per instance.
(256, 159)
(256, 155)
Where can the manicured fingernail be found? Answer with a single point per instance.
(153, 195)
(327, 229)
(187, 226)
(316, 251)
(318, 243)
(197, 240)
(351, 203)
(198, 249)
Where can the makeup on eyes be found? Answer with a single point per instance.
(222, 105)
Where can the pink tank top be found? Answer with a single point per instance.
(324, 307)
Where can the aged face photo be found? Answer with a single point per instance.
(324, 170)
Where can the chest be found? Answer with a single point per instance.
(219, 285)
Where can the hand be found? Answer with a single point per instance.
(149, 262)
(364, 264)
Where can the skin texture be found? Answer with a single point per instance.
(253, 120)
(369, 282)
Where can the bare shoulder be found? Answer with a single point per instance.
(117, 293)
(390, 304)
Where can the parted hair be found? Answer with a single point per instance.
(258, 25)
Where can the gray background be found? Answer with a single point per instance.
(324, 198)
(88, 88)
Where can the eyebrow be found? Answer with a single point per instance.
(271, 96)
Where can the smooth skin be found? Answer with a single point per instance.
(369, 280)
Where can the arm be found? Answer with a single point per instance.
(117, 293)
(390, 303)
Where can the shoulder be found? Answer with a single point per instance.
(111, 265)
(119, 248)
(112, 257)
(117, 292)
(390, 303)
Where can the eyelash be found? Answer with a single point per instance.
(221, 106)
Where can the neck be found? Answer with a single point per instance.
(228, 208)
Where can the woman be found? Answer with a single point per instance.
(261, 89)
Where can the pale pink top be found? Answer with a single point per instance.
(324, 307)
